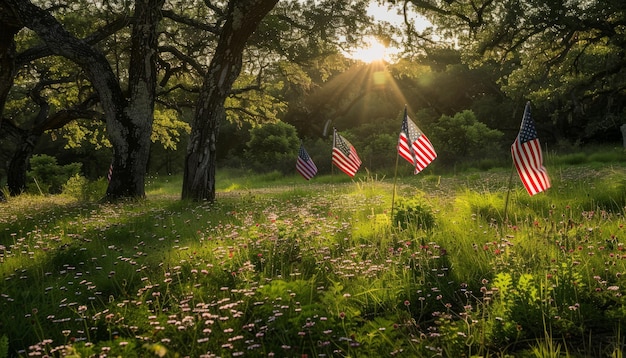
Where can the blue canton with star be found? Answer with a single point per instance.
(527, 131)
(410, 130)
(343, 147)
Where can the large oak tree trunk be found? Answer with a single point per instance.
(8, 30)
(7, 62)
(242, 19)
(131, 137)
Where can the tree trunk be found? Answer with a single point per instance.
(19, 163)
(132, 139)
(242, 19)
(16, 178)
(8, 30)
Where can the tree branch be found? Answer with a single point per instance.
(42, 51)
(184, 58)
(214, 29)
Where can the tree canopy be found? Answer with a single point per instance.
(567, 57)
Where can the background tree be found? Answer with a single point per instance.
(240, 19)
(329, 19)
(129, 120)
(462, 138)
(43, 121)
(49, 92)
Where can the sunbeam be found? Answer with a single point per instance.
(363, 94)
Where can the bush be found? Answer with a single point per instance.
(462, 137)
(82, 189)
(273, 147)
(48, 176)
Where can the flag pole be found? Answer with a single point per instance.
(508, 192)
(395, 177)
(332, 167)
(393, 193)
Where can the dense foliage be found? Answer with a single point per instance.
(463, 138)
(279, 267)
(47, 177)
(272, 147)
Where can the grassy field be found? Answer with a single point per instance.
(281, 267)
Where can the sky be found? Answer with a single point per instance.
(372, 49)
(381, 12)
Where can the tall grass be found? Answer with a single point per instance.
(282, 267)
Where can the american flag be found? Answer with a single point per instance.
(344, 155)
(527, 156)
(305, 165)
(414, 146)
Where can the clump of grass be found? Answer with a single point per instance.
(415, 213)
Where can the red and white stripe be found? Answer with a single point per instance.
(528, 161)
(422, 154)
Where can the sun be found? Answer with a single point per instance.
(371, 51)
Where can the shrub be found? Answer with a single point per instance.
(48, 176)
(82, 189)
(380, 152)
(462, 138)
(273, 147)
